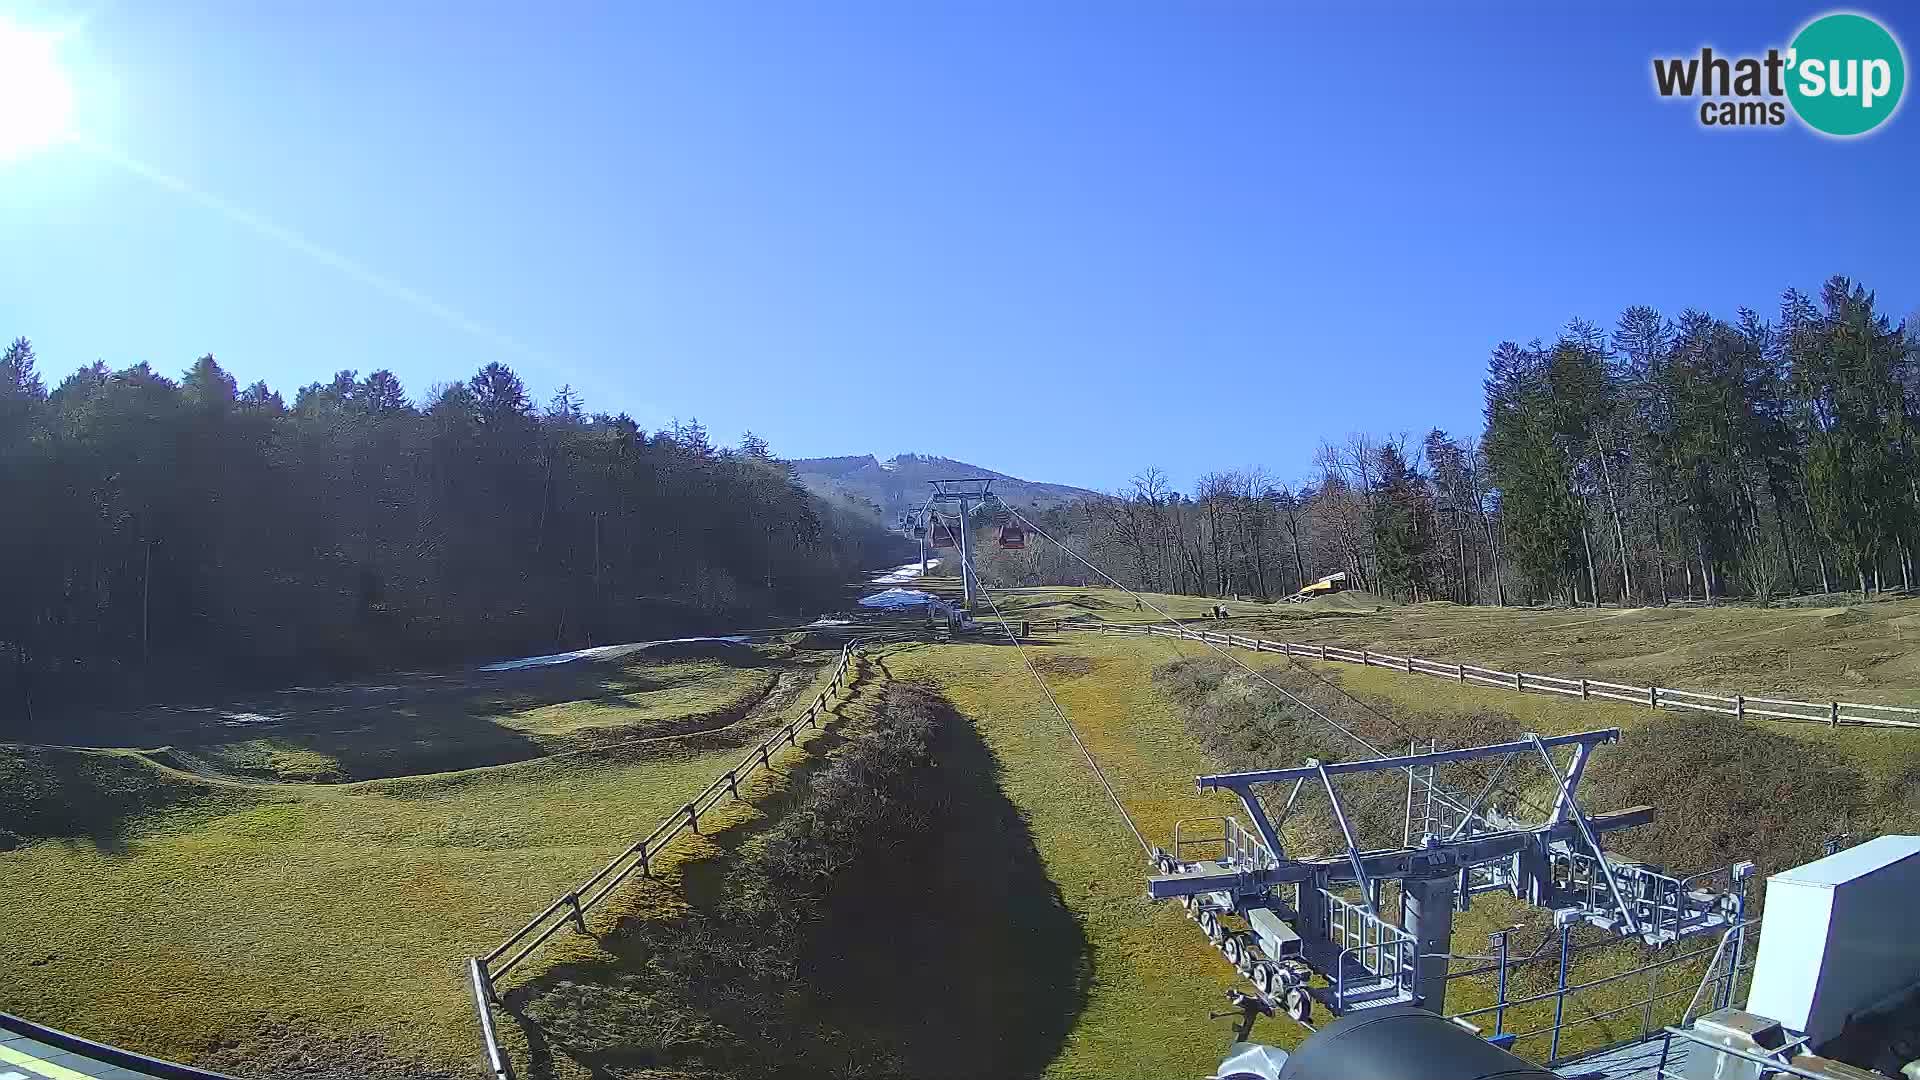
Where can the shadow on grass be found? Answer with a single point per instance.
(943, 951)
(959, 952)
(72, 795)
(404, 725)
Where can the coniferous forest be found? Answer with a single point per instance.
(1659, 459)
(165, 535)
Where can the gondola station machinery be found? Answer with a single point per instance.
(1835, 990)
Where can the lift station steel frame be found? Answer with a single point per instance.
(963, 495)
(1321, 916)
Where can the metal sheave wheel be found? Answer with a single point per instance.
(1263, 978)
(1299, 1004)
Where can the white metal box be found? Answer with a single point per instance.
(1839, 936)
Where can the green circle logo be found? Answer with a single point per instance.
(1845, 74)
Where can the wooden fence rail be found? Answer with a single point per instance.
(1831, 713)
(572, 907)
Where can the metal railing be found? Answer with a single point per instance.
(1721, 974)
(1831, 713)
(571, 908)
(1238, 846)
(1380, 948)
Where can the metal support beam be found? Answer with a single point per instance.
(1233, 781)
(967, 583)
(1486, 792)
(1427, 914)
(1475, 850)
(1586, 831)
(1576, 768)
(1353, 846)
(1285, 812)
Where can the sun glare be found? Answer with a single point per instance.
(35, 97)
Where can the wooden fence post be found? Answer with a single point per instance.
(1653, 697)
(1584, 695)
(1520, 681)
(1460, 673)
(1366, 658)
(1409, 663)
(1740, 706)
(1833, 714)
(1323, 652)
(693, 818)
(579, 917)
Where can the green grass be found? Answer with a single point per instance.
(410, 724)
(667, 692)
(1865, 654)
(280, 915)
(1153, 977)
(211, 920)
(1868, 652)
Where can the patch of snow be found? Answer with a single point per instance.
(896, 598)
(903, 572)
(242, 719)
(599, 652)
(831, 622)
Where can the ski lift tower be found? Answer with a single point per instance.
(1324, 915)
(963, 495)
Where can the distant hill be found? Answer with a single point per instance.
(900, 483)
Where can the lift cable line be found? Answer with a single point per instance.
(1062, 714)
(1438, 792)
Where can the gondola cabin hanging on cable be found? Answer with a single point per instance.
(1012, 536)
(942, 534)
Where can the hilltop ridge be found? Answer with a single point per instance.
(899, 483)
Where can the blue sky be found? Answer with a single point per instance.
(1064, 240)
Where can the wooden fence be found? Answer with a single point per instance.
(572, 907)
(1831, 713)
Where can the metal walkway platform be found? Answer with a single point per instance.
(1648, 1059)
(30, 1051)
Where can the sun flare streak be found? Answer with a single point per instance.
(299, 244)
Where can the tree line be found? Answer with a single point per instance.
(1658, 460)
(169, 533)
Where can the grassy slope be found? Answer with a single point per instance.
(409, 724)
(1871, 650)
(475, 853)
(255, 916)
(1153, 977)
(965, 911)
(1865, 654)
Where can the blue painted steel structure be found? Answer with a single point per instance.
(1322, 915)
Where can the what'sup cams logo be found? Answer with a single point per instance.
(1842, 76)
